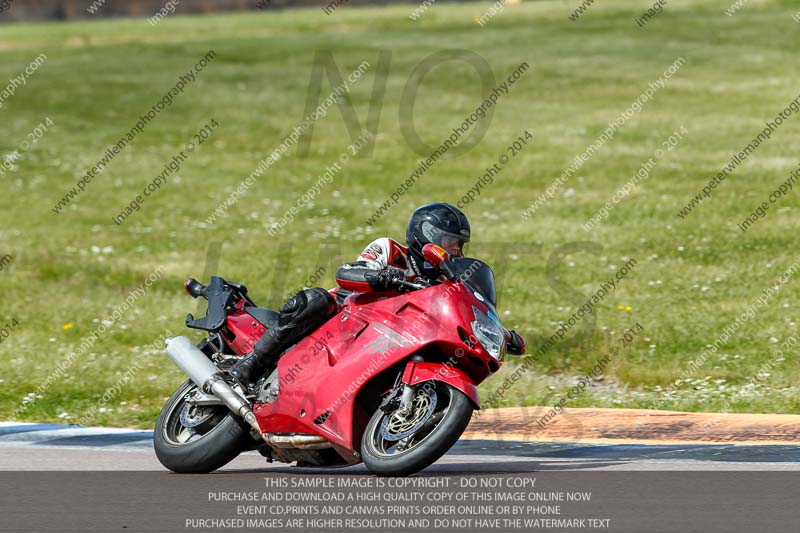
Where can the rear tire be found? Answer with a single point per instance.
(454, 418)
(226, 436)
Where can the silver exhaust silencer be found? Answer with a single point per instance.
(206, 375)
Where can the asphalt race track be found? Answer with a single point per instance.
(44, 447)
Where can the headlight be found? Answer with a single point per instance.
(487, 331)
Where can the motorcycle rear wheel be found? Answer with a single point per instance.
(431, 437)
(214, 436)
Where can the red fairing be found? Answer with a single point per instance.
(416, 373)
(367, 344)
(243, 330)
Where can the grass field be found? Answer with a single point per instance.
(693, 276)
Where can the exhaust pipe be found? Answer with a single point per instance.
(303, 442)
(205, 375)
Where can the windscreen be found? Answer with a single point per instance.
(478, 275)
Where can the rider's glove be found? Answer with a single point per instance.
(385, 280)
(515, 344)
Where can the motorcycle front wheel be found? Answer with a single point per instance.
(192, 439)
(401, 444)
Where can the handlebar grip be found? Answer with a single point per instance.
(194, 288)
(411, 285)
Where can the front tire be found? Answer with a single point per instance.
(214, 436)
(446, 421)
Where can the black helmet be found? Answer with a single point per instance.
(441, 224)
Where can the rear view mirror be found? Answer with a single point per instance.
(435, 255)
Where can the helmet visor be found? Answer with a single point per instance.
(452, 243)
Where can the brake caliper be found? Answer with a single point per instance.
(392, 401)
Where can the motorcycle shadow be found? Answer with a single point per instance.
(449, 468)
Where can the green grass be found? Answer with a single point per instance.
(693, 276)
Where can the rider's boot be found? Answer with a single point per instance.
(253, 365)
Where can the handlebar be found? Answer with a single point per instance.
(413, 286)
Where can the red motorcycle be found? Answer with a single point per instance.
(390, 380)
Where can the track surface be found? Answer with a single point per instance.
(38, 447)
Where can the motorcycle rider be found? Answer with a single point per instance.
(382, 266)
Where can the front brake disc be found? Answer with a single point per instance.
(394, 428)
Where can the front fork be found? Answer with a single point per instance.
(406, 397)
(418, 372)
(402, 394)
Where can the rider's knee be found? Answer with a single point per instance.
(311, 303)
(320, 302)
